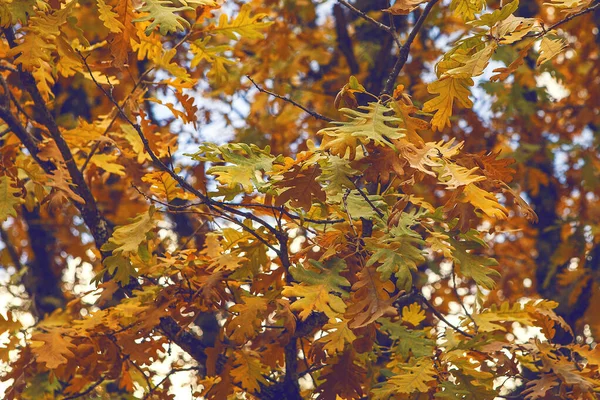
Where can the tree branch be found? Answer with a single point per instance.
(405, 50)
(89, 210)
(288, 100)
(440, 316)
(378, 24)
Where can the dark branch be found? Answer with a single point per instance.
(405, 50)
(288, 100)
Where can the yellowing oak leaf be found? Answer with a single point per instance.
(412, 378)
(425, 158)
(453, 175)
(108, 163)
(245, 164)
(8, 198)
(32, 51)
(473, 64)
(338, 335)
(449, 89)
(109, 17)
(246, 324)
(131, 135)
(163, 14)
(413, 314)
(473, 265)
(491, 319)
(467, 8)
(52, 348)
(248, 371)
(403, 7)
(484, 201)
(243, 25)
(375, 123)
(127, 238)
(164, 186)
(550, 47)
(314, 298)
(569, 6)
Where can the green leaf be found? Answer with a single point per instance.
(474, 266)
(414, 377)
(407, 341)
(328, 274)
(375, 123)
(335, 174)
(127, 238)
(399, 257)
(467, 8)
(246, 163)
(162, 14)
(496, 16)
(120, 268)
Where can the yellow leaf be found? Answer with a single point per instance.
(338, 334)
(69, 62)
(32, 51)
(549, 48)
(136, 143)
(430, 155)
(45, 80)
(489, 320)
(248, 371)
(413, 314)
(109, 17)
(474, 64)
(375, 123)
(246, 324)
(107, 163)
(485, 202)
(467, 8)
(569, 6)
(51, 348)
(411, 378)
(163, 185)
(83, 134)
(127, 238)
(8, 198)
(314, 298)
(448, 90)
(243, 24)
(454, 175)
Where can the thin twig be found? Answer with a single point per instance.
(570, 17)
(345, 202)
(286, 99)
(440, 316)
(215, 206)
(378, 24)
(468, 314)
(405, 50)
(96, 145)
(173, 371)
(364, 196)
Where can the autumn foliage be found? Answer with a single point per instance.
(299, 199)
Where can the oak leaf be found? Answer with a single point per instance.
(448, 90)
(9, 199)
(52, 348)
(413, 314)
